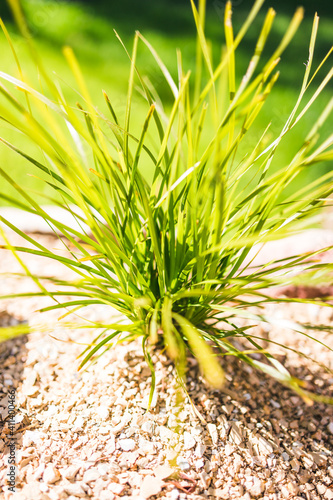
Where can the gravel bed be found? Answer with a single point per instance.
(88, 435)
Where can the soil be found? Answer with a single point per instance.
(88, 434)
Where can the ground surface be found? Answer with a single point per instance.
(87, 435)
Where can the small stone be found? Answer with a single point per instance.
(319, 458)
(165, 433)
(39, 471)
(91, 475)
(32, 437)
(114, 468)
(51, 475)
(103, 412)
(265, 448)
(70, 472)
(292, 487)
(321, 488)
(145, 401)
(106, 495)
(25, 461)
(163, 471)
(78, 424)
(150, 486)
(329, 494)
(63, 417)
(111, 444)
(116, 488)
(103, 470)
(213, 433)
(75, 489)
(171, 456)
(147, 447)
(200, 450)
(312, 427)
(130, 431)
(199, 463)
(304, 477)
(238, 462)
(317, 435)
(327, 480)
(285, 493)
(224, 426)
(229, 449)
(174, 494)
(26, 390)
(43, 487)
(330, 427)
(285, 456)
(183, 463)
(120, 402)
(295, 464)
(254, 485)
(237, 490)
(223, 493)
(148, 427)
(127, 444)
(204, 479)
(236, 434)
(307, 461)
(189, 441)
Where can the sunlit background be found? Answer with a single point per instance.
(88, 27)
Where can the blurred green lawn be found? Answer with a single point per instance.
(88, 28)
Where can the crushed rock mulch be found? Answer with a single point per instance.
(88, 435)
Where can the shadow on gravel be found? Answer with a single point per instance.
(13, 421)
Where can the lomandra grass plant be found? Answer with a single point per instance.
(170, 250)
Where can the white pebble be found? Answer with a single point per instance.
(127, 444)
(150, 486)
(116, 488)
(70, 472)
(78, 424)
(103, 412)
(51, 475)
(148, 427)
(183, 463)
(199, 463)
(200, 450)
(44, 487)
(174, 494)
(103, 470)
(106, 495)
(147, 447)
(91, 475)
(75, 489)
(213, 432)
(254, 485)
(189, 441)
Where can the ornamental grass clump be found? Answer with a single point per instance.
(169, 215)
